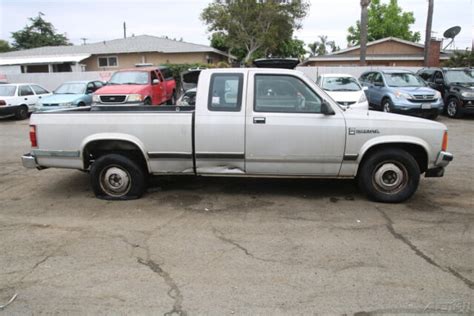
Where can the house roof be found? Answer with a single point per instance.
(342, 56)
(134, 44)
(32, 60)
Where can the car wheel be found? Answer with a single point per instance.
(147, 101)
(116, 177)
(172, 101)
(389, 175)
(21, 113)
(452, 108)
(387, 105)
(81, 104)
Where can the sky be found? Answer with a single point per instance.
(98, 20)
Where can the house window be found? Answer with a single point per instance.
(108, 61)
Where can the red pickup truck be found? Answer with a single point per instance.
(150, 86)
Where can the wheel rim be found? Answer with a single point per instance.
(390, 177)
(452, 108)
(386, 107)
(115, 181)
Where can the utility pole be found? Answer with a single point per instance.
(429, 23)
(124, 30)
(84, 39)
(364, 4)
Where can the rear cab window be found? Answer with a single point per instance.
(225, 92)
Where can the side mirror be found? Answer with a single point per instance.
(439, 81)
(326, 109)
(155, 81)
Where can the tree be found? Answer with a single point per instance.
(461, 59)
(385, 20)
(39, 33)
(254, 25)
(293, 48)
(322, 47)
(4, 46)
(429, 23)
(363, 29)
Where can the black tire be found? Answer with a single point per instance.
(389, 176)
(387, 105)
(147, 101)
(21, 113)
(172, 101)
(453, 109)
(116, 177)
(81, 104)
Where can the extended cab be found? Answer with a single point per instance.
(150, 85)
(247, 122)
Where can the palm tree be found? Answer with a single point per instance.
(364, 4)
(429, 22)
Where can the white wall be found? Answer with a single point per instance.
(52, 80)
(356, 71)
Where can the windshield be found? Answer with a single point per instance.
(340, 84)
(129, 77)
(7, 91)
(461, 76)
(71, 88)
(403, 80)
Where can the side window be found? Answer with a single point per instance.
(90, 87)
(167, 73)
(153, 76)
(98, 84)
(367, 78)
(287, 94)
(39, 90)
(25, 91)
(377, 78)
(438, 75)
(225, 92)
(160, 76)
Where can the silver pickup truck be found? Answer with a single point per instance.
(246, 123)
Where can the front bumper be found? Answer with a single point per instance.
(444, 158)
(467, 106)
(416, 108)
(8, 110)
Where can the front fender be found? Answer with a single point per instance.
(400, 139)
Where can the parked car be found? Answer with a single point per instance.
(70, 94)
(247, 123)
(19, 99)
(456, 86)
(189, 82)
(401, 91)
(148, 85)
(344, 89)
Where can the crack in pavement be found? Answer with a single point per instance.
(174, 291)
(418, 252)
(220, 235)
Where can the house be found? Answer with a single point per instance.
(390, 51)
(109, 55)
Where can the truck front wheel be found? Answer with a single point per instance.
(389, 175)
(116, 177)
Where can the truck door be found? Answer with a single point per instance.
(157, 84)
(286, 132)
(220, 124)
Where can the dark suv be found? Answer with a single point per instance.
(456, 86)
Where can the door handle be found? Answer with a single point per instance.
(259, 120)
(26, 98)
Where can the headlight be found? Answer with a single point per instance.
(362, 98)
(95, 98)
(135, 98)
(400, 94)
(468, 94)
(437, 95)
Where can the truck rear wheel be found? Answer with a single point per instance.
(389, 175)
(116, 177)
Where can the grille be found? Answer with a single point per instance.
(424, 97)
(346, 103)
(112, 98)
